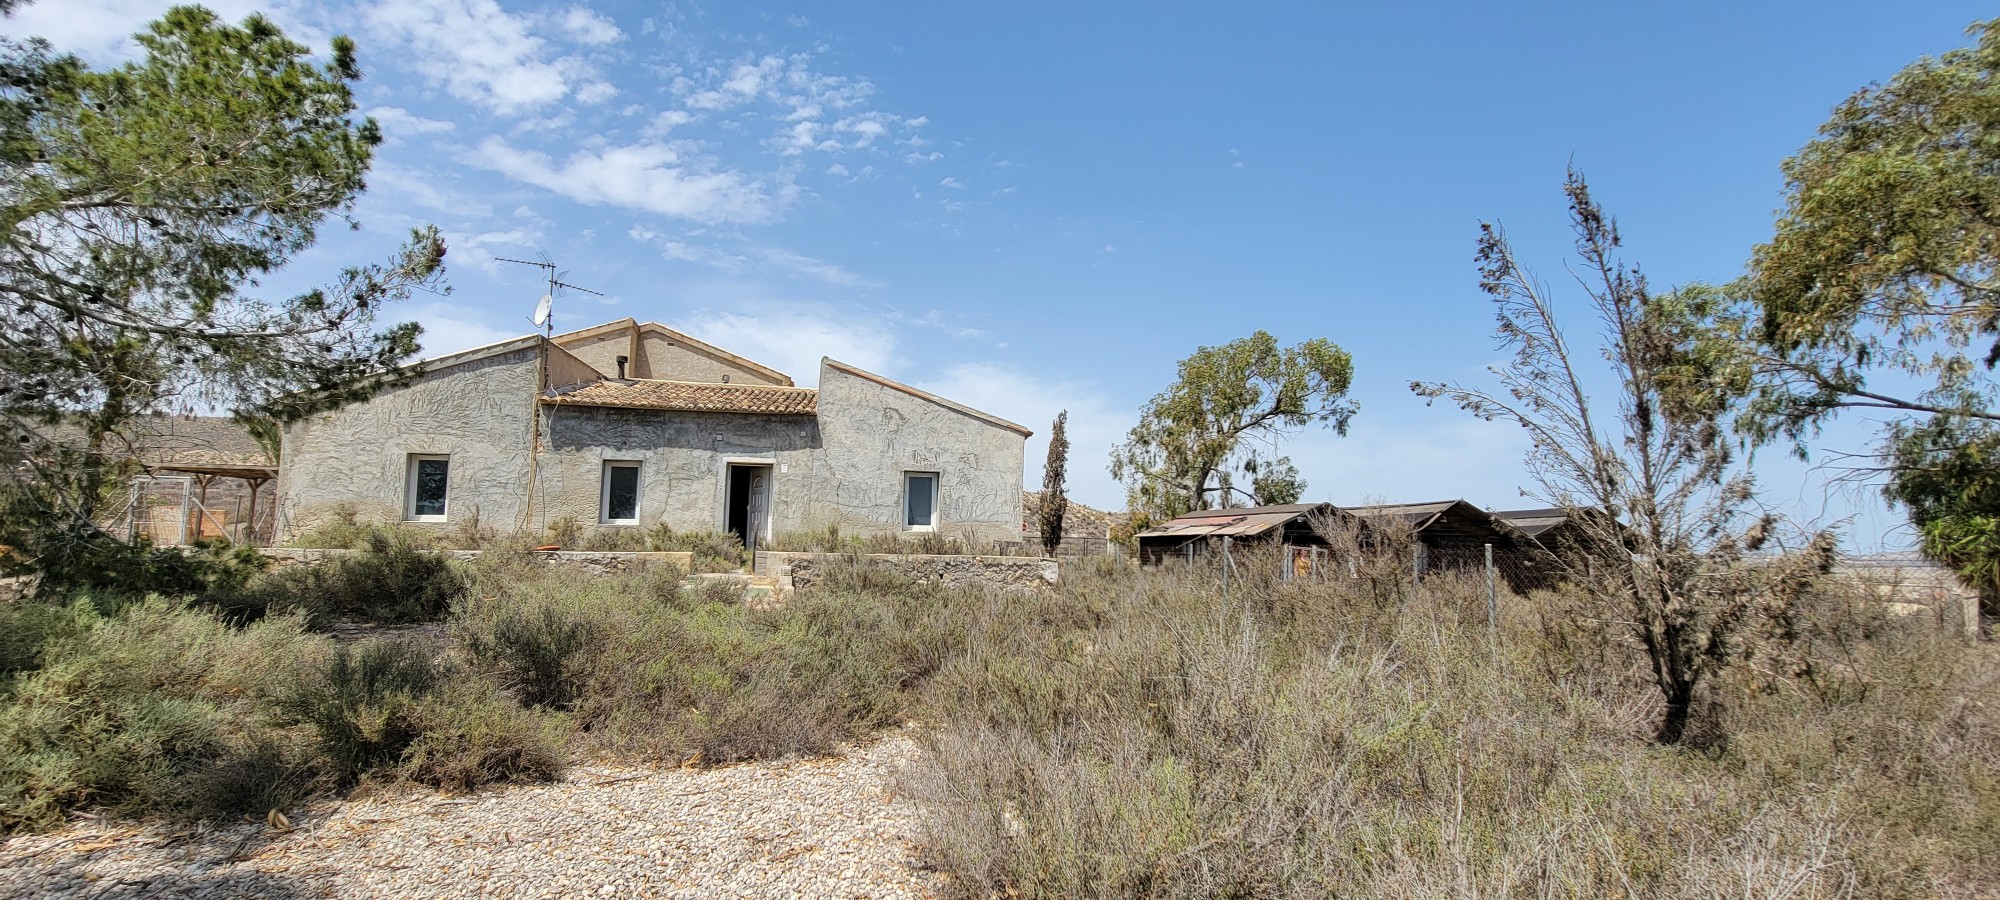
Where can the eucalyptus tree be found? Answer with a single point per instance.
(1222, 419)
(1879, 290)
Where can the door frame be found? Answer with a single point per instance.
(728, 465)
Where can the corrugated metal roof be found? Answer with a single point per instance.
(690, 396)
(1532, 522)
(1237, 522)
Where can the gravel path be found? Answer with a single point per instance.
(803, 828)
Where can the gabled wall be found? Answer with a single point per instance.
(668, 356)
(600, 351)
(477, 411)
(874, 432)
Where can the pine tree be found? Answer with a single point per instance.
(142, 205)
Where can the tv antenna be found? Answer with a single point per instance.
(544, 317)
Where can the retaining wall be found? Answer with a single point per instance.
(598, 562)
(1030, 573)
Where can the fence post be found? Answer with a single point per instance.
(1225, 568)
(1492, 596)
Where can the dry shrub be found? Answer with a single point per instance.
(1146, 735)
(157, 709)
(473, 736)
(648, 665)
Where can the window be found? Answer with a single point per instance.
(920, 501)
(430, 478)
(619, 500)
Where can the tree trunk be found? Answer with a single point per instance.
(1680, 707)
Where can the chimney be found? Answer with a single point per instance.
(621, 366)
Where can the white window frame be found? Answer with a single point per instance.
(604, 491)
(937, 500)
(410, 488)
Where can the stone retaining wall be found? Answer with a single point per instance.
(601, 563)
(803, 570)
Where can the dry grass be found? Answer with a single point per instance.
(1140, 735)
(1130, 734)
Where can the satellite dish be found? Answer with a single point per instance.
(542, 309)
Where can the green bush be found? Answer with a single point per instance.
(154, 710)
(535, 650)
(86, 560)
(474, 736)
(611, 539)
(367, 708)
(713, 551)
(393, 581)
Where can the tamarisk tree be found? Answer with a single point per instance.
(139, 208)
(1664, 510)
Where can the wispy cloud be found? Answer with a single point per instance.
(744, 255)
(1095, 423)
(101, 30)
(397, 121)
(650, 177)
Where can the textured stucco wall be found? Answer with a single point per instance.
(478, 412)
(874, 433)
(681, 460)
(667, 359)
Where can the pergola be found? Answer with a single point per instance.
(206, 448)
(255, 477)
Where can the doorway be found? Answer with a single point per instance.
(747, 514)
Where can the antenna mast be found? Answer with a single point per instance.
(544, 316)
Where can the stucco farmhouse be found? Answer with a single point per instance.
(630, 424)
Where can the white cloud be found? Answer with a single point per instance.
(651, 177)
(951, 182)
(837, 170)
(396, 121)
(749, 257)
(596, 92)
(478, 249)
(425, 189)
(800, 264)
(477, 51)
(590, 27)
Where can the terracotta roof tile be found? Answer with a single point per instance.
(689, 396)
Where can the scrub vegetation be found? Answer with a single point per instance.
(1130, 733)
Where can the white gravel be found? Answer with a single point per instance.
(802, 828)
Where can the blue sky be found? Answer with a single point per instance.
(1038, 206)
